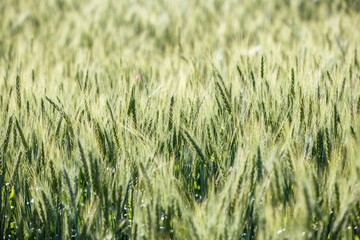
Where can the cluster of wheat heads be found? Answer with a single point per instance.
(231, 131)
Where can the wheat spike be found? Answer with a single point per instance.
(18, 92)
(22, 137)
(224, 97)
(196, 147)
(262, 67)
(84, 162)
(7, 136)
(171, 114)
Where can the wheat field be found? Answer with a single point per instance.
(208, 119)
